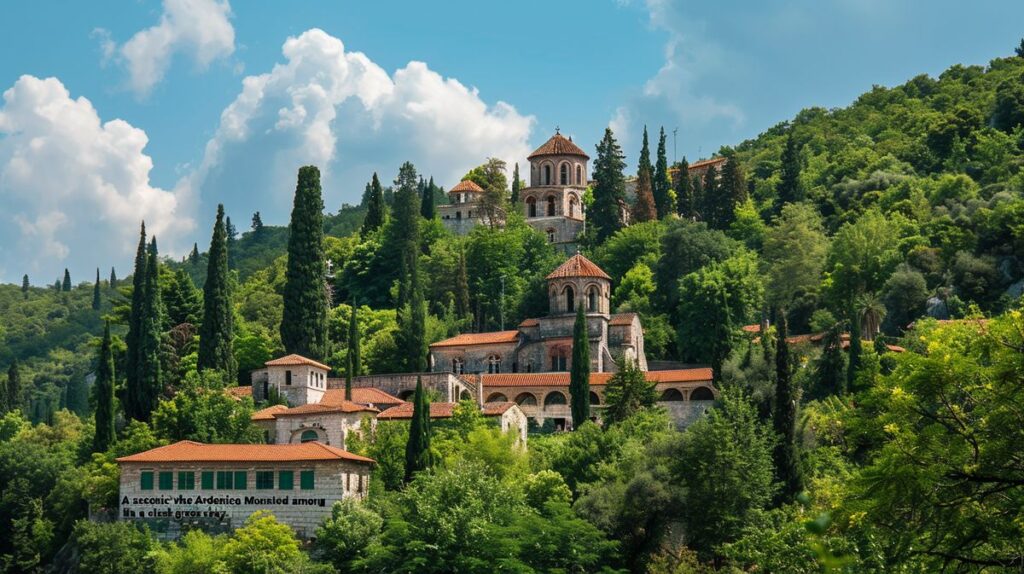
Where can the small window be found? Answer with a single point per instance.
(285, 479)
(264, 479)
(309, 436)
(306, 480)
(146, 480)
(166, 480)
(186, 480)
(494, 364)
(241, 480)
(223, 480)
(551, 206)
(579, 175)
(287, 377)
(563, 174)
(458, 365)
(207, 480)
(551, 235)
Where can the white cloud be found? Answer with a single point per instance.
(342, 112)
(200, 28)
(74, 188)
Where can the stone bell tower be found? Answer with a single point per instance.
(553, 203)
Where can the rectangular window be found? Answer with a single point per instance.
(241, 480)
(306, 480)
(287, 377)
(166, 480)
(207, 480)
(186, 480)
(264, 479)
(146, 480)
(285, 479)
(223, 480)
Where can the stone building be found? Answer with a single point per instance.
(216, 487)
(464, 210)
(507, 415)
(299, 380)
(553, 202)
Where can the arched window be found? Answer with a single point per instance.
(592, 299)
(526, 399)
(554, 398)
(702, 394)
(531, 207)
(579, 175)
(570, 299)
(563, 174)
(671, 395)
(465, 396)
(309, 436)
(551, 206)
(547, 175)
(497, 398)
(594, 399)
(458, 364)
(551, 235)
(458, 215)
(573, 204)
(494, 364)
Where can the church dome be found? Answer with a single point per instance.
(578, 266)
(558, 145)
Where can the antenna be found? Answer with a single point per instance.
(674, 156)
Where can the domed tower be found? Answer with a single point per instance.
(579, 281)
(553, 203)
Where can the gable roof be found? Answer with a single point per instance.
(320, 408)
(467, 185)
(578, 266)
(268, 413)
(295, 360)
(558, 145)
(362, 395)
(622, 319)
(489, 338)
(191, 451)
(560, 379)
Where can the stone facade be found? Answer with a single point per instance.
(553, 202)
(463, 211)
(330, 427)
(299, 380)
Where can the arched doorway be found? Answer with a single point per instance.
(702, 394)
(594, 398)
(554, 398)
(526, 399)
(671, 395)
(497, 398)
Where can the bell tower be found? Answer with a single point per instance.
(553, 203)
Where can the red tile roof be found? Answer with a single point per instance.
(558, 145)
(239, 392)
(530, 323)
(191, 451)
(268, 413)
(318, 408)
(578, 266)
(559, 379)
(293, 359)
(441, 410)
(497, 408)
(364, 395)
(467, 185)
(490, 338)
(622, 319)
(755, 328)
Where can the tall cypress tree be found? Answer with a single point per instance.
(150, 377)
(404, 233)
(645, 156)
(709, 195)
(789, 189)
(216, 333)
(517, 184)
(784, 415)
(353, 358)
(24, 286)
(579, 376)
(96, 292)
(232, 241)
(696, 196)
(304, 322)
(664, 199)
(103, 395)
(644, 209)
(113, 278)
(66, 285)
(684, 190)
(13, 387)
(427, 201)
(609, 187)
(374, 207)
(413, 326)
(417, 449)
(133, 399)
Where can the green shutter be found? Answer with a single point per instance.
(241, 481)
(207, 480)
(223, 480)
(166, 480)
(285, 480)
(306, 480)
(264, 479)
(186, 480)
(146, 480)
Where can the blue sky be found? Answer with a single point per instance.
(160, 110)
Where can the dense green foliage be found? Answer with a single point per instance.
(304, 319)
(216, 334)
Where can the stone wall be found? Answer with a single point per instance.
(170, 513)
(450, 388)
(475, 357)
(331, 428)
(685, 413)
(307, 385)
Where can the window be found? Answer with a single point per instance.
(559, 359)
(531, 207)
(572, 206)
(579, 175)
(570, 299)
(551, 235)
(458, 365)
(166, 480)
(186, 480)
(287, 377)
(547, 175)
(494, 364)
(309, 436)
(224, 480)
(551, 206)
(285, 479)
(241, 480)
(306, 480)
(563, 174)
(207, 480)
(264, 479)
(592, 299)
(362, 484)
(146, 480)
(458, 215)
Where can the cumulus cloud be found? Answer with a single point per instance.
(200, 28)
(73, 188)
(339, 110)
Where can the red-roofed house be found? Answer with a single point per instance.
(465, 209)
(506, 414)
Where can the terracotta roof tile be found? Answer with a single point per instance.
(363, 395)
(342, 406)
(530, 323)
(191, 451)
(467, 185)
(489, 338)
(268, 413)
(755, 328)
(293, 359)
(558, 145)
(496, 408)
(622, 319)
(701, 374)
(239, 392)
(578, 266)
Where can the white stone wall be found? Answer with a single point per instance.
(170, 512)
(308, 383)
(331, 428)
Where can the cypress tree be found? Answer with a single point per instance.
(13, 387)
(645, 156)
(829, 375)
(103, 395)
(216, 333)
(784, 416)
(24, 286)
(644, 209)
(413, 329)
(462, 309)
(789, 189)
(181, 302)
(609, 187)
(662, 184)
(66, 285)
(684, 190)
(304, 322)
(417, 449)
(193, 256)
(709, 195)
(232, 241)
(133, 391)
(113, 278)
(517, 184)
(375, 214)
(56, 285)
(354, 363)
(257, 225)
(731, 191)
(1019, 50)
(427, 201)
(579, 376)
(405, 237)
(150, 377)
(696, 196)
(96, 292)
